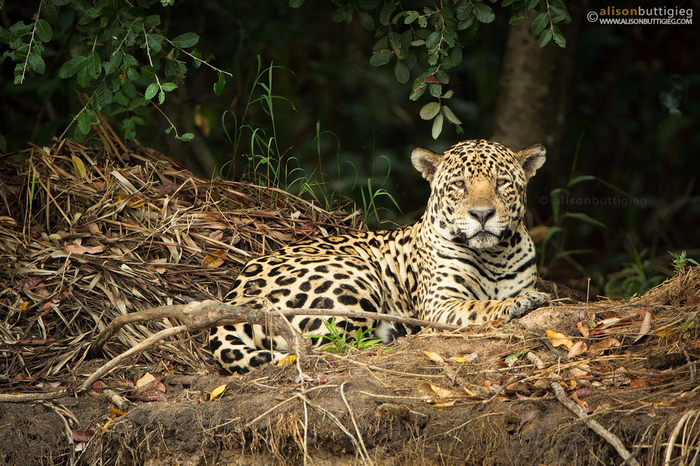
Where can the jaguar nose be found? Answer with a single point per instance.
(482, 215)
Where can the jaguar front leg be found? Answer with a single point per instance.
(464, 312)
(525, 303)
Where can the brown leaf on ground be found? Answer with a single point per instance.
(558, 339)
(603, 345)
(78, 249)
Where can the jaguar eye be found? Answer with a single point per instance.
(458, 184)
(501, 182)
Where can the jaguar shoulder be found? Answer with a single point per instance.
(468, 260)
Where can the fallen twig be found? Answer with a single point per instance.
(24, 397)
(200, 315)
(147, 343)
(592, 424)
(354, 423)
(335, 419)
(674, 435)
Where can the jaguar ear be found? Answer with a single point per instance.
(426, 162)
(532, 158)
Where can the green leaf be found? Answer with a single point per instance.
(559, 39)
(161, 97)
(545, 38)
(84, 122)
(19, 28)
(148, 72)
(111, 65)
(551, 231)
(430, 110)
(555, 196)
(584, 218)
(386, 12)
(423, 21)
(82, 78)
(132, 74)
(43, 30)
(484, 13)
(49, 12)
(151, 91)
(579, 179)
(463, 11)
(442, 76)
(540, 23)
(220, 84)
(450, 115)
(154, 41)
(450, 36)
(94, 65)
(72, 66)
(36, 62)
(516, 19)
(343, 13)
(5, 36)
(103, 94)
(381, 58)
(151, 21)
(296, 3)
(433, 40)
(401, 72)
(435, 89)
(136, 102)
(437, 126)
(187, 137)
(411, 16)
(129, 60)
(167, 87)
(418, 91)
(456, 55)
(366, 21)
(186, 40)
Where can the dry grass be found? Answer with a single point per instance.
(87, 234)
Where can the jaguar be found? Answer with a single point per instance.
(468, 260)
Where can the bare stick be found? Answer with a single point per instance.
(333, 418)
(147, 343)
(22, 397)
(291, 398)
(354, 423)
(592, 424)
(206, 314)
(674, 436)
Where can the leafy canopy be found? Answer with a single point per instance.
(122, 61)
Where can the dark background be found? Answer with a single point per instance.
(629, 115)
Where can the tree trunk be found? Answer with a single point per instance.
(534, 85)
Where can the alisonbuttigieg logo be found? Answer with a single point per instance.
(662, 15)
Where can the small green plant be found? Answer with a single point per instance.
(340, 342)
(269, 164)
(559, 215)
(680, 261)
(637, 277)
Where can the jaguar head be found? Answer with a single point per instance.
(477, 190)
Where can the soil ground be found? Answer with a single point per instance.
(382, 406)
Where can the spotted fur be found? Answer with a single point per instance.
(468, 260)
